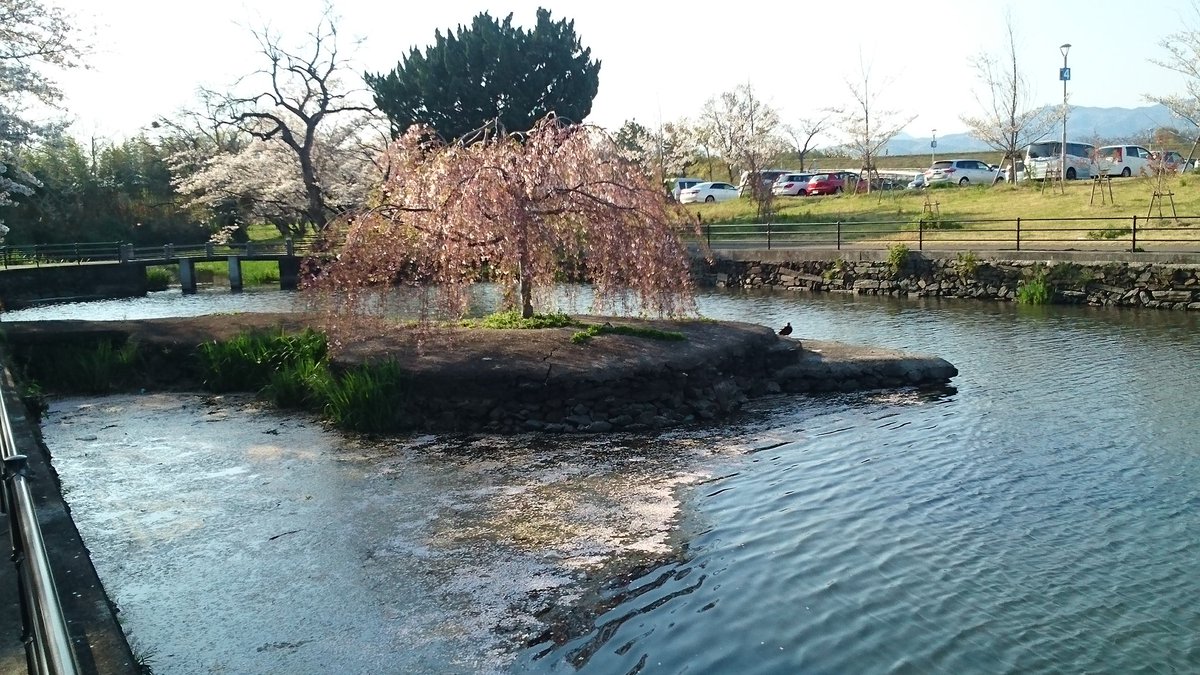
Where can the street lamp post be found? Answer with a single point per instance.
(1065, 76)
(933, 149)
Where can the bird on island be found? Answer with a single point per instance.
(786, 330)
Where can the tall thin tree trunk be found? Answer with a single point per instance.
(525, 289)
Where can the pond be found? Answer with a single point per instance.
(1039, 517)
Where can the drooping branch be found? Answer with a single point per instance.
(526, 208)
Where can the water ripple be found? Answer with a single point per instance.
(1041, 518)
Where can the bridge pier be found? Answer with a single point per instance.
(235, 273)
(187, 275)
(289, 273)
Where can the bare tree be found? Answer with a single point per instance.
(1183, 57)
(303, 91)
(741, 128)
(805, 130)
(1008, 122)
(868, 126)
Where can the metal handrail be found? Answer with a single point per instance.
(48, 647)
(1019, 233)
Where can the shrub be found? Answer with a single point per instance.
(1109, 233)
(158, 278)
(897, 258)
(91, 369)
(967, 264)
(247, 361)
(1035, 290)
(936, 221)
(300, 384)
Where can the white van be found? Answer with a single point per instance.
(677, 185)
(1043, 159)
(1125, 160)
(766, 176)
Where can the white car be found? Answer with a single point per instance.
(791, 184)
(1124, 160)
(708, 192)
(961, 171)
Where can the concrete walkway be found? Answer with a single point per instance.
(99, 642)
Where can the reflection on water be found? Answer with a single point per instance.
(1038, 517)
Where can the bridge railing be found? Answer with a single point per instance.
(42, 254)
(85, 252)
(1110, 234)
(48, 647)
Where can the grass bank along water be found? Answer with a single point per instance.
(1065, 278)
(615, 374)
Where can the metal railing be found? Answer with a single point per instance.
(115, 251)
(47, 641)
(1098, 234)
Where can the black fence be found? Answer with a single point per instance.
(116, 251)
(1128, 233)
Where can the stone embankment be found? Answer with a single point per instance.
(509, 381)
(1153, 285)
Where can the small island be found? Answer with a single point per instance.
(626, 375)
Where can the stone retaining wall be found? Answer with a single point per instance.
(1124, 284)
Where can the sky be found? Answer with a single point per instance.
(660, 60)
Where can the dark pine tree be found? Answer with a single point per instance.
(490, 72)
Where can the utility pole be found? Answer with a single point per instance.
(1065, 76)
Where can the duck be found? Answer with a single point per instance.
(786, 330)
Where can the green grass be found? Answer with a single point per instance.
(1132, 197)
(884, 218)
(593, 330)
(254, 272)
(513, 320)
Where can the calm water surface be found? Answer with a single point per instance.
(1042, 517)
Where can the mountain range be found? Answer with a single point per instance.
(1085, 124)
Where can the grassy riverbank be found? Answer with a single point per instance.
(1130, 197)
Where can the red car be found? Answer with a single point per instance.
(831, 183)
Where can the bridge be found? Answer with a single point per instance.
(38, 274)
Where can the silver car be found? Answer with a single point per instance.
(961, 171)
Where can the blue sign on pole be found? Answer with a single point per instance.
(933, 144)
(1064, 74)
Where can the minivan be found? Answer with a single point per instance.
(1042, 160)
(1125, 160)
(677, 185)
(767, 177)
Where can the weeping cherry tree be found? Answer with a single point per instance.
(518, 209)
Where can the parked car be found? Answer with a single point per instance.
(918, 182)
(1042, 160)
(1124, 160)
(961, 171)
(677, 185)
(708, 192)
(1170, 162)
(766, 176)
(792, 184)
(831, 183)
